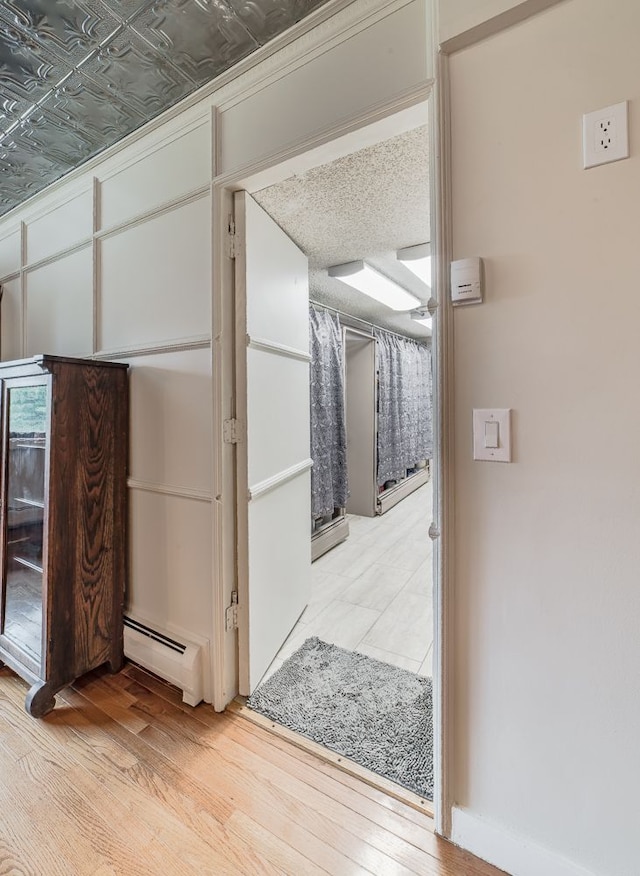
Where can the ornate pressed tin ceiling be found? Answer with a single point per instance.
(75, 77)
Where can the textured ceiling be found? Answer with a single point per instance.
(76, 77)
(363, 206)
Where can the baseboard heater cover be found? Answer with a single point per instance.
(328, 537)
(181, 663)
(403, 489)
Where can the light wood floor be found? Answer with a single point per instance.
(373, 593)
(123, 780)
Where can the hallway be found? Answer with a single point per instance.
(373, 592)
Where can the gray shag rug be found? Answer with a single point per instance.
(373, 713)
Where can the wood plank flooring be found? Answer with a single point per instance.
(122, 779)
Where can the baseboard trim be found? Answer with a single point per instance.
(510, 852)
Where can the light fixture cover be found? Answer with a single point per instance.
(366, 279)
(418, 260)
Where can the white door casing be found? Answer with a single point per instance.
(273, 464)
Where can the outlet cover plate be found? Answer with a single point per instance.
(605, 135)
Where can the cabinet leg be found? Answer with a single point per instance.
(40, 700)
(115, 664)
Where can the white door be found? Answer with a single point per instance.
(274, 468)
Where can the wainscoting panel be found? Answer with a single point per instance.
(60, 306)
(171, 441)
(155, 279)
(61, 228)
(10, 253)
(281, 113)
(11, 319)
(173, 170)
(170, 561)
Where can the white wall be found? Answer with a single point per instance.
(547, 595)
(117, 260)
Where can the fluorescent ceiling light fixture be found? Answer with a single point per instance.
(418, 260)
(374, 284)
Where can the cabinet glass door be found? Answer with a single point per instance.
(25, 480)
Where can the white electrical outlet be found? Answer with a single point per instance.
(605, 135)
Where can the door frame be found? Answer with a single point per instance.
(379, 123)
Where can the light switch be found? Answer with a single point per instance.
(492, 434)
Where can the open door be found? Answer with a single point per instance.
(274, 468)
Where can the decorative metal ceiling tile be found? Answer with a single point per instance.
(68, 30)
(201, 37)
(267, 18)
(11, 108)
(80, 102)
(76, 77)
(39, 138)
(130, 71)
(25, 165)
(125, 10)
(27, 70)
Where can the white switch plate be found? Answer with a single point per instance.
(500, 416)
(605, 135)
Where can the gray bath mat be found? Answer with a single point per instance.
(375, 714)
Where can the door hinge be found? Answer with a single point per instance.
(231, 613)
(434, 532)
(231, 240)
(232, 431)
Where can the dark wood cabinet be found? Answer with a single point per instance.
(62, 520)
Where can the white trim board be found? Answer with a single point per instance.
(277, 480)
(491, 26)
(511, 852)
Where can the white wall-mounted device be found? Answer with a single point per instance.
(466, 281)
(492, 434)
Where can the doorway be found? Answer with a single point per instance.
(371, 590)
(400, 536)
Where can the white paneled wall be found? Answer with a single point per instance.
(290, 108)
(59, 306)
(155, 279)
(171, 420)
(170, 566)
(10, 246)
(121, 268)
(182, 165)
(116, 262)
(11, 316)
(60, 228)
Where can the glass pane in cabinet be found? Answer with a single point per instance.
(25, 517)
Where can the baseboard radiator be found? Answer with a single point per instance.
(179, 662)
(396, 494)
(329, 536)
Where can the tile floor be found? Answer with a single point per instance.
(373, 592)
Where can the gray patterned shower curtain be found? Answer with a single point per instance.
(329, 488)
(404, 405)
